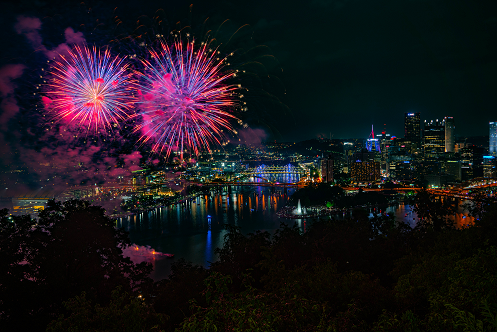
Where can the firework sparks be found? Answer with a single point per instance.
(89, 88)
(186, 101)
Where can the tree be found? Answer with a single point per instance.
(72, 247)
(124, 313)
(480, 204)
(433, 213)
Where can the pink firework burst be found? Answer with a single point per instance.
(89, 89)
(186, 101)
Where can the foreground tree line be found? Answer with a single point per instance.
(65, 272)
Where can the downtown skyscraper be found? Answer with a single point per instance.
(434, 138)
(412, 126)
(450, 127)
(492, 146)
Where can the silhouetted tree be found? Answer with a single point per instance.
(72, 247)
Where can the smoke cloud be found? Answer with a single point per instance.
(8, 105)
(9, 73)
(30, 26)
(250, 136)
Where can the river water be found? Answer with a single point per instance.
(194, 228)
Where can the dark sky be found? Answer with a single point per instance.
(344, 64)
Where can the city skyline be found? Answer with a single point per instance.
(339, 83)
(435, 60)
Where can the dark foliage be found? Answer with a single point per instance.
(72, 248)
(360, 274)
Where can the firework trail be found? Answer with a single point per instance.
(90, 89)
(186, 101)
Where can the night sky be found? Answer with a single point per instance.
(330, 66)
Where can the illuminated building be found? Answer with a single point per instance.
(364, 168)
(401, 170)
(434, 138)
(372, 143)
(450, 127)
(412, 132)
(385, 142)
(365, 171)
(327, 169)
(489, 170)
(412, 126)
(29, 205)
(348, 151)
(400, 162)
(493, 139)
(472, 162)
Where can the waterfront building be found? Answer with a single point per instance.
(492, 149)
(450, 140)
(489, 170)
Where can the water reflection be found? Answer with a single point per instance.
(405, 213)
(193, 229)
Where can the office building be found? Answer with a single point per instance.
(363, 155)
(453, 170)
(489, 170)
(471, 162)
(364, 168)
(372, 143)
(327, 169)
(365, 171)
(412, 126)
(402, 170)
(492, 149)
(434, 138)
(450, 140)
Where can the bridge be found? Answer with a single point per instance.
(482, 183)
(274, 174)
(259, 184)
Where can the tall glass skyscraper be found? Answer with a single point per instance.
(450, 127)
(412, 126)
(492, 146)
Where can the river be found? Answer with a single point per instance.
(194, 228)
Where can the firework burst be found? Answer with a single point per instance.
(186, 102)
(89, 89)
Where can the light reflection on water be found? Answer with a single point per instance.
(186, 230)
(405, 213)
(194, 228)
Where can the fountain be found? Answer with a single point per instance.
(298, 211)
